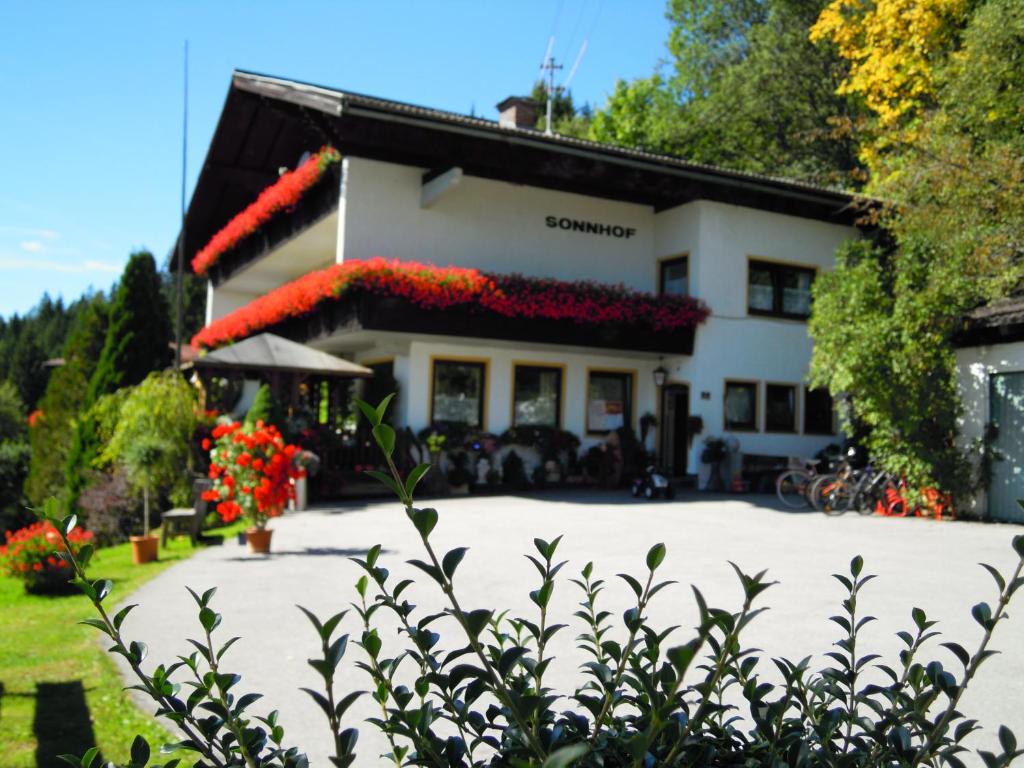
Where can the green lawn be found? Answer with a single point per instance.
(59, 692)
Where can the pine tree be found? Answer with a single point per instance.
(139, 331)
(51, 437)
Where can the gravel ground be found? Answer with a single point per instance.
(920, 563)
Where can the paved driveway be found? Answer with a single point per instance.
(921, 563)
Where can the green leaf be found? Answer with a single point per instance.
(452, 559)
(1007, 740)
(382, 406)
(414, 477)
(982, 614)
(655, 556)
(561, 758)
(140, 751)
(120, 616)
(98, 623)
(368, 411)
(682, 655)
(387, 480)
(423, 519)
(1018, 541)
(477, 620)
(385, 437)
(856, 566)
(209, 619)
(996, 575)
(102, 588)
(633, 583)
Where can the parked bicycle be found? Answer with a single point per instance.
(793, 487)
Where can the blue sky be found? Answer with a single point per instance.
(90, 132)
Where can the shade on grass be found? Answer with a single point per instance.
(58, 689)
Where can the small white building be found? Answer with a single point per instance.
(421, 185)
(990, 365)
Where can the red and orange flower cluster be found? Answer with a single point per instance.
(282, 195)
(35, 417)
(251, 467)
(431, 287)
(31, 553)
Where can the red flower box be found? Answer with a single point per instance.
(282, 195)
(437, 288)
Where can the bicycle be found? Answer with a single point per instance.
(793, 486)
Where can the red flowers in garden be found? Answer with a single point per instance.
(431, 287)
(251, 467)
(35, 417)
(282, 195)
(31, 553)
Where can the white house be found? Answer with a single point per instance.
(421, 185)
(990, 366)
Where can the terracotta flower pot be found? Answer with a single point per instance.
(144, 549)
(259, 540)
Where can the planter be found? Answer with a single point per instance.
(144, 549)
(259, 540)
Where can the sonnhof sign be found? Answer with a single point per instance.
(589, 227)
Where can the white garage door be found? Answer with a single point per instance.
(1006, 397)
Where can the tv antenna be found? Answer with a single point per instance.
(550, 65)
(548, 68)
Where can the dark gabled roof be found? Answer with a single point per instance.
(267, 123)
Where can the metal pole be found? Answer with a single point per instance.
(179, 318)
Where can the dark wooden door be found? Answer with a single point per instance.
(675, 441)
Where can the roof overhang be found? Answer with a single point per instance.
(268, 123)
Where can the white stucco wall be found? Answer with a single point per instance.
(491, 225)
(975, 366)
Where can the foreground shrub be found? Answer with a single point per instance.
(31, 554)
(643, 700)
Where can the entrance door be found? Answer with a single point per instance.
(1006, 403)
(675, 442)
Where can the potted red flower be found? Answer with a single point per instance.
(32, 554)
(251, 467)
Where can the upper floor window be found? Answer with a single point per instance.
(674, 277)
(536, 396)
(458, 392)
(779, 290)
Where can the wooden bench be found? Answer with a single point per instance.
(186, 520)
(760, 471)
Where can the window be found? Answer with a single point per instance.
(819, 414)
(674, 277)
(458, 394)
(741, 405)
(779, 290)
(779, 408)
(609, 401)
(536, 396)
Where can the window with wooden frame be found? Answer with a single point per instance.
(459, 389)
(819, 412)
(674, 276)
(536, 396)
(779, 290)
(609, 401)
(780, 408)
(740, 404)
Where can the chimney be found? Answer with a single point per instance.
(518, 112)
